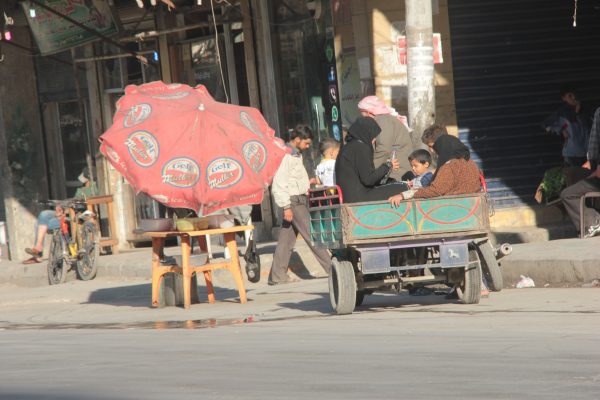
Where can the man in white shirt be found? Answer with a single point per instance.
(290, 188)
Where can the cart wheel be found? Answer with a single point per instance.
(342, 287)
(469, 290)
(360, 297)
(166, 290)
(489, 266)
(57, 265)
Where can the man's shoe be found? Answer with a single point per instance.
(33, 252)
(288, 280)
(32, 260)
(592, 231)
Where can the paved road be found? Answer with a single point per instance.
(99, 340)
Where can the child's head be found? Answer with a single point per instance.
(568, 94)
(329, 148)
(420, 160)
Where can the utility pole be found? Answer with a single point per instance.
(421, 89)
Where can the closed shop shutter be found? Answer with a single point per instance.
(510, 58)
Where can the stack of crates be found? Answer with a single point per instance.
(325, 204)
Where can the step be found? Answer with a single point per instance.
(529, 216)
(534, 234)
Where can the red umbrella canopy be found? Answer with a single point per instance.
(186, 150)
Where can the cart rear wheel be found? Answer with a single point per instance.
(57, 265)
(469, 290)
(489, 266)
(342, 287)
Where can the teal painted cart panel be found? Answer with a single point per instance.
(441, 215)
(338, 225)
(364, 221)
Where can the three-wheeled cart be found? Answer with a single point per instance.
(423, 242)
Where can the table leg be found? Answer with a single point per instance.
(234, 265)
(209, 286)
(185, 270)
(157, 245)
(112, 226)
(202, 243)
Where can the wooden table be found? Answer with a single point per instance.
(186, 270)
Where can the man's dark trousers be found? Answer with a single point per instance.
(287, 239)
(571, 198)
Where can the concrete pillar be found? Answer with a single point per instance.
(249, 54)
(22, 164)
(421, 89)
(266, 66)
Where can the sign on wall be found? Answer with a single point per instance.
(54, 33)
(437, 49)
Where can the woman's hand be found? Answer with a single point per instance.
(395, 164)
(395, 200)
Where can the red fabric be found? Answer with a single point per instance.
(186, 150)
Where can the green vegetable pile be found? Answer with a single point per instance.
(553, 182)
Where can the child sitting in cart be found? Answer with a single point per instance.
(325, 171)
(420, 162)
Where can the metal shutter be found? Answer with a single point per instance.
(510, 58)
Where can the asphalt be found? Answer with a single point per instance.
(557, 263)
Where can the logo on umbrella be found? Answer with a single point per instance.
(255, 155)
(181, 172)
(223, 173)
(137, 114)
(250, 123)
(143, 148)
(171, 96)
(112, 154)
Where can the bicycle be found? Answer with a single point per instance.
(75, 244)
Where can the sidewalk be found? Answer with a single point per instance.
(565, 262)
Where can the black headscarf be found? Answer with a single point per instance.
(448, 148)
(364, 129)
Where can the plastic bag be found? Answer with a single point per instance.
(252, 262)
(525, 282)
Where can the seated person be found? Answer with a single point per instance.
(456, 172)
(420, 161)
(50, 219)
(354, 170)
(571, 196)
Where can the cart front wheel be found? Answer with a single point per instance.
(489, 266)
(342, 287)
(469, 290)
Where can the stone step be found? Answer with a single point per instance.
(534, 234)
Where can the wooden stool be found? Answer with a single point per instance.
(187, 271)
(93, 204)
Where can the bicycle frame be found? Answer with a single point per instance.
(78, 246)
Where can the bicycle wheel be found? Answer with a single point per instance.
(89, 251)
(57, 266)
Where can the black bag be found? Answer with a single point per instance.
(252, 262)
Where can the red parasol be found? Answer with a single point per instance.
(186, 150)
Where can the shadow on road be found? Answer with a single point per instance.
(141, 295)
(319, 304)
